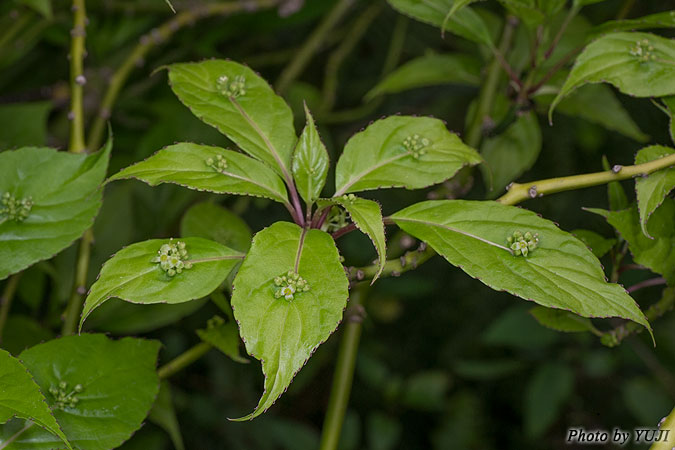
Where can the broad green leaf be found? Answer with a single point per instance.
(664, 19)
(401, 151)
(20, 397)
(465, 22)
(508, 155)
(456, 6)
(638, 64)
(241, 105)
(560, 320)
(656, 253)
(310, 162)
(210, 221)
(548, 390)
(559, 273)
(206, 168)
(281, 332)
(23, 124)
(224, 336)
(597, 244)
(653, 189)
(133, 275)
(429, 70)
(367, 216)
(117, 387)
(164, 414)
(65, 195)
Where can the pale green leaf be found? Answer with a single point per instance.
(117, 382)
(284, 333)
(401, 151)
(64, 190)
(597, 244)
(224, 336)
(561, 320)
(23, 124)
(657, 253)
(508, 155)
(429, 70)
(664, 19)
(132, 274)
(210, 221)
(559, 273)
(20, 397)
(465, 22)
(367, 216)
(310, 162)
(638, 64)
(199, 167)
(653, 189)
(254, 117)
(164, 414)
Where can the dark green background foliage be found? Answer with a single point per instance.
(444, 361)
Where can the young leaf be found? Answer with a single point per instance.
(241, 105)
(429, 70)
(310, 162)
(100, 390)
(595, 243)
(638, 64)
(560, 320)
(47, 200)
(164, 415)
(510, 154)
(653, 189)
(206, 168)
(367, 216)
(559, 272)
(656, 253)
(465, 22)
(288, 298)
(210, 221)
(224, 336)
(401, 151)
(140, 273)
(20, 397)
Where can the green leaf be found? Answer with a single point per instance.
(206, 168)
(599, 245)
(559, 273)
(638, 64)
(456, 6)
(164, 415)
(65, 195)
(653, 189)
(580, 3)
(656, 253)
(310, 162)
(367, 216)
(526, 10)
(664, 19)
(43, 7)
(429, 70)
(548, 390)
(560, 320)
(465, 22)
(508, 155)
(252, 115)
(401, 151)
(117, 387)
(133, 275)
(23, 124)
(20, 396)
(224, 336)
(210, 221)
(283, 333)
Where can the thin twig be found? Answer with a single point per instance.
(646, 283)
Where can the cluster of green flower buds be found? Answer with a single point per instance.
(172, 258)
(219, 163)
(290, 284)
(415, 145)
(522, 244)
(14, 209)
(64, 399)
(643, 50)
(349, 198)
(231, 87)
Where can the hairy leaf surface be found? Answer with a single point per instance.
(653, 189)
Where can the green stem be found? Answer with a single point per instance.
(148, 42)
(183, 360)
(394, 267)
(6, 300)
(74, 307)
(520, 192)
(668, 424)
(344, 371)
(77, 79)
(312, 44)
